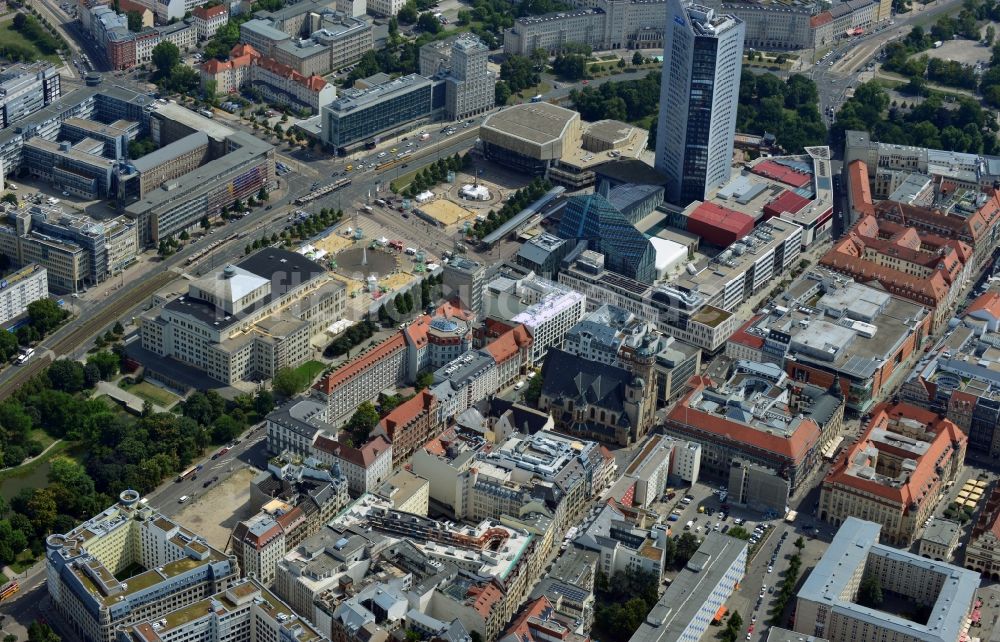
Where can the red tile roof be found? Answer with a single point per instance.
(421, 404)
(820, 19)
(292, 519)
(485, 597)
(743, 337)
(923, 482)
(861, 189)
(362, 457)
(794, 447)
(988, 302)
(129, 5)
(537, 621)
(787, 201)
(849, 256)
(314, 83)
(971, 228)
(390, 346)
(723, 218)
(509, 344)
(210, 12)
(783, 173)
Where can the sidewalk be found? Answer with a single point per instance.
(28, 461)
(131, 401)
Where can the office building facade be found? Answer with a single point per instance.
(249, 319)
(177, 569)
(700, 86)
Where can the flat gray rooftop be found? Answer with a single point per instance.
(537, 123)
(691, 588)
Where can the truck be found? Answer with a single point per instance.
(937, 44)
(537, 98)
(25, 354)
(207, 113)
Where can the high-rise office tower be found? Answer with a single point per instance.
(699, 91)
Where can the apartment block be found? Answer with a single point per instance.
(164, 164)
(245, 320)
(246, 167)
(410, 425)
(960, 378)
(25, 89)
(177, 569)
(919, 266)
(358, 115)
(19, 288)
(299, 498)
(547, 309)
(895, 474)
(827, 604)
(385, 8)
(825, 326)
(940, 540)
(982, 552)
(407, 493)
(208, 21)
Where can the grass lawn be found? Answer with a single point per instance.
(529, 93)
(23, 561)
(311, 368)
(4, 579)
(42, 437)
(9, 36)
(153, 394)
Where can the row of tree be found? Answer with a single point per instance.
(437, 172)
(933, 123)
(521, 199)
(352, 336)
(786, 589)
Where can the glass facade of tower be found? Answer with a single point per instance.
(626, 250)
(699, 93)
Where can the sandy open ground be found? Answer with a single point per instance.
(214, 513)
(445, 211)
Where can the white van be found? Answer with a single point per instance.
(183, 499)
(519, 385)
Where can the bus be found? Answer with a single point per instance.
(188, 472)
(9, 589)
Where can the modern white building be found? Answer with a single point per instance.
(699, 92)
(547, 309)
(17, 290)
